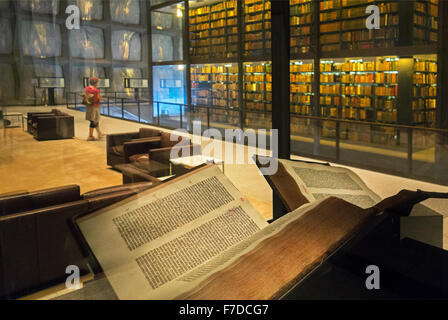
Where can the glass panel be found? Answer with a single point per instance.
(302, 137)
(424, 153)
(167, 33)
(375, 146)
(169, 84)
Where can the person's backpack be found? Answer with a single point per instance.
(87, 98)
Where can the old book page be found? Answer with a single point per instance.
(146, 242)
(318, 181)
(274, 259)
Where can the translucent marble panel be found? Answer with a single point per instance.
(40, 6)
(39, 69)
(90, 9)
(161, 20)
(5, 36)
(7, 84)
(4, 4)
(119, 74)
(126, 45)
(87, 43)
(125, 11)
(40, 39)
(78, 73)
(162, 47)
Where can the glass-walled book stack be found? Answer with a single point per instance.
(343, 25)
(257, 27)
(301, 24)
(213, 30)
(424, 91)
(257, 94)
(216, 85)
(425, 21)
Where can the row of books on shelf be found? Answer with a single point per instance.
(256, 6)
(300, 99)
(425, 78)
(266, 96)
(257, 87)
(294, 77)
(425, 66)
(215, 77)
(424, 92)
(301, 88)
(427, 104)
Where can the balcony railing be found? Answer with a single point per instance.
(409, 151)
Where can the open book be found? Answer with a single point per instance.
(197, 236)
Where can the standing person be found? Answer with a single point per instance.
(93, 98)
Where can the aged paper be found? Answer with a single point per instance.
(318, 181)
(146, 242)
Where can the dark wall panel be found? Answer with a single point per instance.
(7, 84)
(5, 36)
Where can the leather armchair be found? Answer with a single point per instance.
(51, 125)
(135, 141)
(156, 160)
(36, 240)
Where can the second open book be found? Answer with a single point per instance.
(197, 236)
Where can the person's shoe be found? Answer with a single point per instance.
(90, 139)
(100, 136)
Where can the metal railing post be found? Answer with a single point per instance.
(180, 115)
(410, 148)
(337, 140)
(122, 108)
(158, 113)
(208, 118)
(108, 106)
(138, 109)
